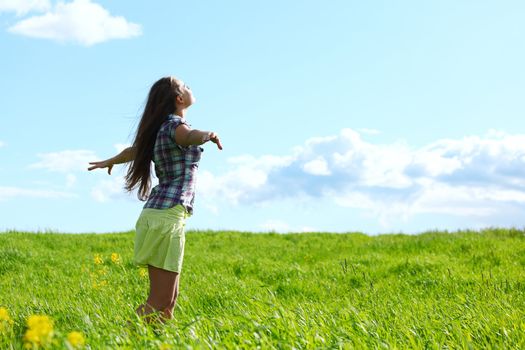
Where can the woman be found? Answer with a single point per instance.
(164, 137)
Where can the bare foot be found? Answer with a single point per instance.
(149, 314)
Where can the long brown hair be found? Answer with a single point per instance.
(160, 104)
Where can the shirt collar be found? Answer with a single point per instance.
(174, 116)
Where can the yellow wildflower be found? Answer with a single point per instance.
(5, 320)
(39, 332)
(76, 339)
(98, 259)
(4, 315)
(40, 322)
(32, 336)
(143, 272)
(103, 270)
(115, 258)
(97, 285)
(165, 346)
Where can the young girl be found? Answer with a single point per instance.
(164, 137)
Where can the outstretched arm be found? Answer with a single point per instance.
(125, 156)
(185, 136)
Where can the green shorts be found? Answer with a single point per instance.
(160, 238)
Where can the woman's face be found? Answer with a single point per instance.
(186, 97)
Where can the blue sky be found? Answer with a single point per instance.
(374, 116)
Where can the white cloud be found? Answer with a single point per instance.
(369, 131)
(476, 176)
(276, 226)
(7, 193)
(70, 180)
(65, 161)
(317, 166)
(79, 21)
(248, 175)
(22, 7)
(351, 199)
(121, 146)
(280, 226)
(110, 189)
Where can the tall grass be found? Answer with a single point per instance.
(241, 290)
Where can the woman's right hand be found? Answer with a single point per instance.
(100, 165)
(213, 137)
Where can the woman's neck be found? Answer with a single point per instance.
(181, 112)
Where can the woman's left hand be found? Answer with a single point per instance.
(100, 165)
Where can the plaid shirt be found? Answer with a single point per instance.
(175, 167)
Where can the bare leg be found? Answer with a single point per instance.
(168, 312)
(162, 295)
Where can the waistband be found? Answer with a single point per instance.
(177, 212)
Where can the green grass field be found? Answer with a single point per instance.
(434, 290)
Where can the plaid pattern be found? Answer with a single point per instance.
(175, 167)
